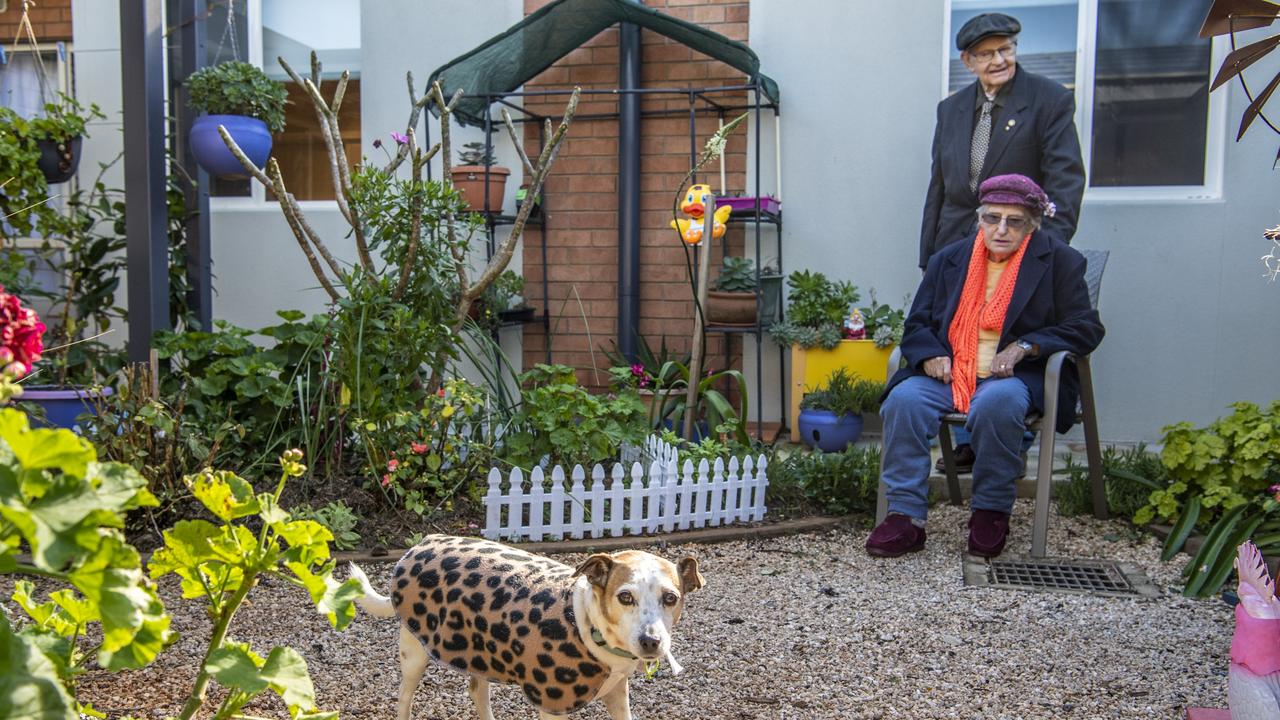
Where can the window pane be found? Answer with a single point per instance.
(1046, 45)
(293, 29)
(1151, 94)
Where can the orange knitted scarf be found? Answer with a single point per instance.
(976, 311)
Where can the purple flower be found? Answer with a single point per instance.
(637, 369)
(377, 143)
(400, 139)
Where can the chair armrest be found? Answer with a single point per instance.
(1053, 371)
(895, 361)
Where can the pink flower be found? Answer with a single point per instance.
(393, 464)
(637, 369)
(386, 480)
(400, 139)
(440, 392)
(21, 335)
(418, 448)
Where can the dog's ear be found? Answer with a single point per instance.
(690, 578)
(596, 568)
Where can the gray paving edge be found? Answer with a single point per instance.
(626, 542)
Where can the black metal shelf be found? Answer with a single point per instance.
(763, 216)
(752, 329)
(500, 219)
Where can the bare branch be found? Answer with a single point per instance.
(283, 196)
(415, 223)
(341, 91)
(502, 255)
(511, 129)
(234, 147)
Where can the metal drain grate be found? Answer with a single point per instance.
(1092, 577)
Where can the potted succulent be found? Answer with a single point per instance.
(58, 134)
(506, 296)
(240, 97)
(831, 415)
(733, 301)
(470, 176)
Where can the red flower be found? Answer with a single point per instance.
(21, 335)
(393, 464)
(418, 448)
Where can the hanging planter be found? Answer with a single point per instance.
(251, 134)
(241, 98)
(59, 159)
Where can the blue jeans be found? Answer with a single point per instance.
(960, 436)
(912, 416)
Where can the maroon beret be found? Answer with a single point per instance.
(1015, 190)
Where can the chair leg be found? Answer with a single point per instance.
(949, 463)
(882, 497)
(1092, 443)
(1044, 475)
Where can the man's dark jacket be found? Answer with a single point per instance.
(1034, 135)
(1050, 308)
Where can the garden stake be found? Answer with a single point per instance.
(695, 362)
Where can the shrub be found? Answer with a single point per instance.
(1130, 476)
(837, 483)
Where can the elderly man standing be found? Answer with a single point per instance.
(986, 317)
(1008, 120)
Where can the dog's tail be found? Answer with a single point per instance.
(373, 602)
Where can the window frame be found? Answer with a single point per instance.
(1086, 59)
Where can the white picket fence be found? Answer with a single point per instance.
(665, 498)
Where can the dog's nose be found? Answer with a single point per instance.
(650, 643)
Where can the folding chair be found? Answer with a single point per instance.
(1086, 414)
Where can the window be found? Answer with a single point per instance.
(1148, 124)
(292, 29)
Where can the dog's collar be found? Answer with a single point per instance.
(599, 640)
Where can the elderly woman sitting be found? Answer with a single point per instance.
(985, 318)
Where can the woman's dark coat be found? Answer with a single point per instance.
(1050, 308)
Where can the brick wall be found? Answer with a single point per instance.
(50, 20)
(582, 201)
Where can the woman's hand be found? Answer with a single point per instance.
(938, 368)
(1002, 364)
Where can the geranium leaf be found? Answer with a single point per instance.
(225, 494)
(30, 688)
(238, 668)
(286, 672)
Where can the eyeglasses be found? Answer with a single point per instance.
(986, 56)
(1013, 222)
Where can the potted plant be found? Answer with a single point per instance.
(469, 177)
(831, 415)
(58, 134)
(506, 297)
(733, 301)
(822, 330)
(240, 97)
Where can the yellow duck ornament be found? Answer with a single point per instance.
(695, 206)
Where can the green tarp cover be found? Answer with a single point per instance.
(507, 61)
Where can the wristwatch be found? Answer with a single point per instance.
(1027, 347)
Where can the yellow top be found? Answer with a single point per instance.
(989, 340)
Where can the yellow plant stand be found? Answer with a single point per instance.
(811, 368)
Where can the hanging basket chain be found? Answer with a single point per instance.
(25, 29)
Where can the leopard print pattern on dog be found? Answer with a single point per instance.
(501, 613)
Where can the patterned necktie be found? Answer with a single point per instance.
(978, 149)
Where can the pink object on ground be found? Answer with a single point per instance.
(1256, 643)
(1208, 714)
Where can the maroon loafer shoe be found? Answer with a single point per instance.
(988, 530)
(897, 535)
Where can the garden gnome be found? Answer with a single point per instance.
(1253, 684)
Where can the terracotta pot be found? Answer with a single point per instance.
(469, 179)
(730, 308)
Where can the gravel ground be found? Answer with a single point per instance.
(806, 626)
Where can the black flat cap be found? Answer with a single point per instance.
(984, 26)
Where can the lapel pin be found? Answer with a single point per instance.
(1010, 124)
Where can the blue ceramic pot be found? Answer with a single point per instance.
(62, 405)
(822, 430)
(700, 430)
(250, 134)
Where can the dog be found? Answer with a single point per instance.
(566, 636)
